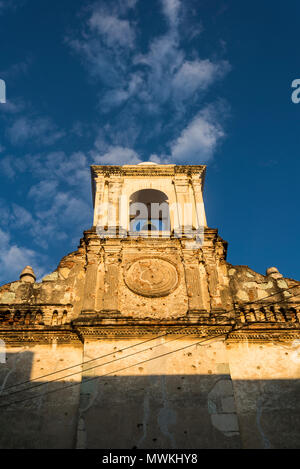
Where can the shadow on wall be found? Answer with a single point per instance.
(154, 411)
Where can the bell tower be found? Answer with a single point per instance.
(117, 188)
(150, 253)
(164, 199)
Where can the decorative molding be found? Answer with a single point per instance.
(91, 328)
(153, 171)
(151, 277)
(42, 336)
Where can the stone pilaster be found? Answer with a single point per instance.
(99, 212)
(112, 260)
(91, 276)
(184, 206)
(197, 185)
(115, 185)
(196, 282)
(211, 261)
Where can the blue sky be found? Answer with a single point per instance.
(125, 81)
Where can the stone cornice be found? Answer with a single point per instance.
(34, 306)
(153, 171)
(78, 334)
(263, 336)
(39, 336)
(211, 234)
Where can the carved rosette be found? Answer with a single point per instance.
(151, 277)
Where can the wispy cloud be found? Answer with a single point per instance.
(12, 107)
(171, 9)
(198, 141)
(10, 5)
(118, 156)
(105, 39)
(39, 130)
(147, 94)
(60, 199)
(197, 75)
(16, 69)
(14, 258)
(113, 30)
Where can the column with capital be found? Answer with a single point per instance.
(197, 185)
(199, 217)
(111, 277)
(91, 277)
(214, 281)
(115, 207)
(100, 205)
(196, 282)
(184, 207)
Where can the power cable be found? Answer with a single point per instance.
(129, 347)
(122, 369)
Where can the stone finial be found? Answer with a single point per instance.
(274, 273)
(27, 275)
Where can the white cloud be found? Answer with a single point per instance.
(159, 66)
(60, 201)
(96, 59)
(171, 9)
(116, 97)
(53, 218)
(4, 238)
(118, 7)
(65, 208)
(53, 167)
(21, 216)
(151, 92)
(163, 159)
(142, 84)
(7, 167)
(129, 3)
(72, 169)
(10, 4)
(118, 156)
(106, 41)
(12, 107)
(197, 75)
(39, 130)
(164, 56)
(16, 69)
(14, 258)
(197, 142)
(44, 190)
(114, 31)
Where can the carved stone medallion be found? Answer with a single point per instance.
(151, 277)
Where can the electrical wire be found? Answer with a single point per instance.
(110, 373)
(122, 369)
(129, 347)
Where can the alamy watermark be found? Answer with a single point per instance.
(151, 220)
(296, 93)
(2, 92)
(2, 351)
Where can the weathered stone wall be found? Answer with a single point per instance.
(49, 421)
(266, 382)
(143, 278)
(175, 394)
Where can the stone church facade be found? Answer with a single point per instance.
(146, 337)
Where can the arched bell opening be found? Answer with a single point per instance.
(149, 211)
